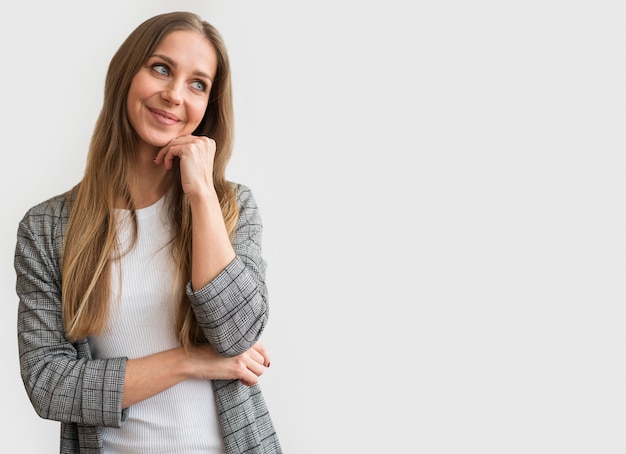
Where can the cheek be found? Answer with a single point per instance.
(133, 111)
(133, 98)
(196, 112)
(141, 88)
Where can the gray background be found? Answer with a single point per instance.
(442, 188)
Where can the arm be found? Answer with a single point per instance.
(61, 380)
(233, 308)
(227, 290)
(148, 376)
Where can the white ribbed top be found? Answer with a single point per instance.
(182, 419)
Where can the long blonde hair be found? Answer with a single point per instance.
(91, 239)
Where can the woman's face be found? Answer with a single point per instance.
(169, 95)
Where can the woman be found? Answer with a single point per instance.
(142, 293)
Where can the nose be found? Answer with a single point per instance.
(172, 93)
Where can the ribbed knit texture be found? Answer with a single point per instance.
(183, 418)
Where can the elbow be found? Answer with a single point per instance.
(39, 400)
(242, 331)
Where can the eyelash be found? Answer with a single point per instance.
(156, 67)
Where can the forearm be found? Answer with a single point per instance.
(151, 375)
(148, 376)
(212, 249)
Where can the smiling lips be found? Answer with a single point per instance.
(164, 117)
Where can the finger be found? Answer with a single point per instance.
(250, 377)
(247, 383)
(168, 159)
(256, 369)
(170, 151)
(260, 348)
(256, 357)
(159, 158)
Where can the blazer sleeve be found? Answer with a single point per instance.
(233, 309)
(61, 379)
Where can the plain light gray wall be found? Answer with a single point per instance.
(442, 190)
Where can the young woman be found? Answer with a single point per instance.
(142, 293)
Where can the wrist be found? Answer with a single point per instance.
(202, 197)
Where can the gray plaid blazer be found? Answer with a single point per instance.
(63, 381)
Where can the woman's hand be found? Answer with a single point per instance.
(196, 154)
(207, 364)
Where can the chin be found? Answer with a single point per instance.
(152, 142)
(156, 142)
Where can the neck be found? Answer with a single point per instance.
(148, 182)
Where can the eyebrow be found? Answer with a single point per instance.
(173, 63)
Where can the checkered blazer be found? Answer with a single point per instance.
(63, 381)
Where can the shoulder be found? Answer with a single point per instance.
(240, 189)
(41, 233)
(53, 207)
(244, 195)
(47, 216)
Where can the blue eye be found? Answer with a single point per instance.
(161, 69)
(200, 86)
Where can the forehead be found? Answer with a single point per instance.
(189, 50)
